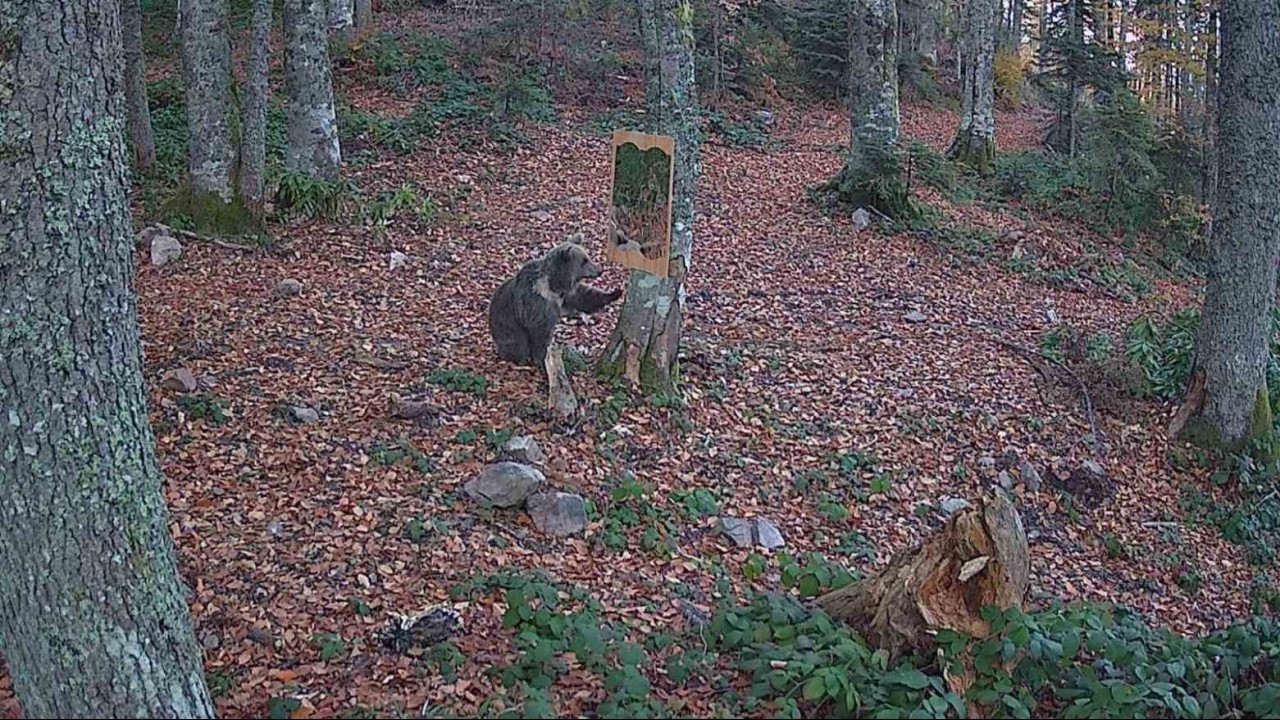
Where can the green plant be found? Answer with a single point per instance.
(406, 200)
(1163, 352)
(330, 645)
(459, 381)
(220, 683)
(816, 576)
(204, 406)
(631, 509)
(398, 452)
(301, 195)
(696, 503)
(831, 508)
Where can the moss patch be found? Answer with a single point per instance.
(209, 214)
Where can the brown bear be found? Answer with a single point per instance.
(525, 310)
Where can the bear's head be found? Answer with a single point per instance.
(567, 265)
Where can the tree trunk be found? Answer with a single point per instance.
(1014, 39)
(341, 19)
(1209, 179)
(645, 344)
(979, 559)
(92, 617)
(253, 152)
(135, 89)
(975, 141)
(1235, 328)
(363, 14)
(873, 81)
(312, 134)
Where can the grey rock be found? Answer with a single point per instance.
(303, 414)
(1052, 316)
(951, 505)
(180, 380)
(764, 117)
(768, 535)
(558, 513)
(542, 216)
(505, 484)
(287, 288)
(165, 249)
(861, 218)
(986, 462)
(696, 616)
(396, 259)
(738, 530)
(261, 636)
(1092, 466)
(524, 449)
(1030, 477)
(1005, 480)
(915, 316)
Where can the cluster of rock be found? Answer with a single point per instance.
(517, 480)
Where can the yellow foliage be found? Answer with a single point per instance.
(1011, 77)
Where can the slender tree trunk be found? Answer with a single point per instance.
(207, 53)
(975, 141)
(312, 142)
(253, 152)
(1210, 178)
(1014, 39)
(1240, 296)
(341, 18)
(92, 617)
(135, 89)
(873, 83)
(645, 344)
(363, 14)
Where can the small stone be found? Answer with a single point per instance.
(180, 380)
(558, 513)
(524, 449)
(463, 178)
(1093, 467)
(738, 530)
(164, 249)
(275, 528)
(861, 218)
(1005, 480)
(1052, 316)
(915, 316)
(952, 505)
(764, 117)
(577, 200)
(425, 413)
(304, 415)
(768, 535)
(210, 641)
(542, 216)
(260, 636)
(505, 484)
(1030, 477)
(287, 288)
(986, 462)
(396, 259)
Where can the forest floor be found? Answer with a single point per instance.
(810, 399)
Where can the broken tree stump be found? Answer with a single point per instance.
(979, 559)
(562, 400)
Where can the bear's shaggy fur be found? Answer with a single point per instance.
(525, 309)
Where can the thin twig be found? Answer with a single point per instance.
(1032, 357)
(204, 238)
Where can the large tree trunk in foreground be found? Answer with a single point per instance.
(1235, 327)
(135, 89)
(873, 82)
(312, 138)
(92, 617)
(253, 152)
(975, 141)
(645, 344)
(979, 559)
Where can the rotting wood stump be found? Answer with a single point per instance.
(979, 559)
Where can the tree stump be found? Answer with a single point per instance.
(980, 558)
(561, 399)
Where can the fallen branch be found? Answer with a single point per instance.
(189, 235)
(1037, 361)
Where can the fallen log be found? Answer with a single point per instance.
(979, 559)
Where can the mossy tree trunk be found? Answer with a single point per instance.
(873, 83)
(341, 19)
(363, 14)
(312, 133)
(975, 140)
(646, 342)
(210, 200)
(253, 151)
(135, 89)
(979, 559)
(92, 617)
(1240, 296)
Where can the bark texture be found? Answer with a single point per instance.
(135, 89)
(207, 62)
(979, 559)
(873, 82)
(363, 14)
(975, 141)
(341, 18)
(92, 617)
(312, 134)
(645, 344)
(253, 153)
(1240, 296)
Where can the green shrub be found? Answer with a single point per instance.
(299, 194)
(1164, 353)
(459, 381)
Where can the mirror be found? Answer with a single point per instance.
(640, 211)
